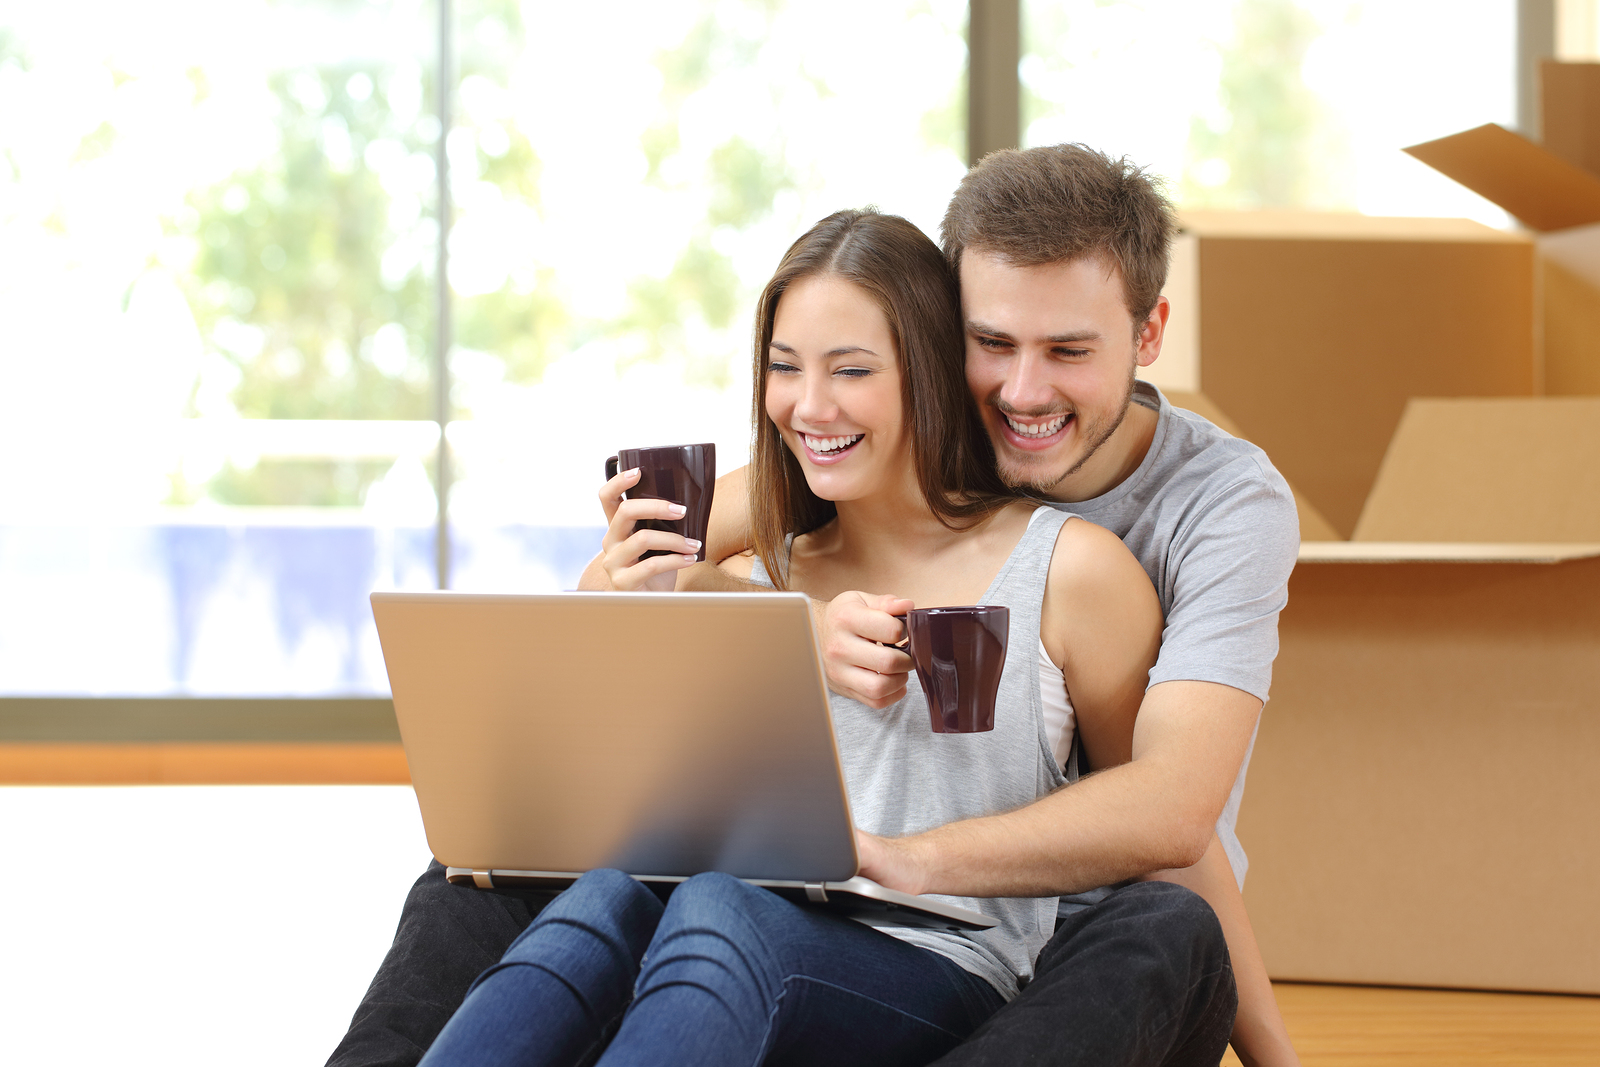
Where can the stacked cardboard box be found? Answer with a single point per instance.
(1424, 804)
(1553, 188)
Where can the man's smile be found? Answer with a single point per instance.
(1035, 432)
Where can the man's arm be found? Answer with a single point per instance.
(1156, 812)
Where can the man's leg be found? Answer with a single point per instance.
(1141, 978)
(447, 935)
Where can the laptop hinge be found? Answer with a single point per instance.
(815, 893)
(482, 880)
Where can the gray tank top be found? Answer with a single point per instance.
(903, 778)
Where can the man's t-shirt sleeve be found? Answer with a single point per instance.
(1230, 567)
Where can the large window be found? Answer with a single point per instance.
(1247, 104)
(217, 266)
(219, 235)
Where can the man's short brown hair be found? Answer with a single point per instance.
(1062, 203)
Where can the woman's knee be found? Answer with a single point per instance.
(721, 902)
(604, 904)
(717, 916)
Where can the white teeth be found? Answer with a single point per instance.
(822, 445)
(1043, 429)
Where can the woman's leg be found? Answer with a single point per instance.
(561, 986)
(736, 976)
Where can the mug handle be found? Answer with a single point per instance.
(904, 644)
(611, 467)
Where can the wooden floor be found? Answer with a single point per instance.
(1332, 1026)
(203, 763)
(1363, 1026)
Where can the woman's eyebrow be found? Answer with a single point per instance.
(843, 350)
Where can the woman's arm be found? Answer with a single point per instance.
(1101, 624)
(1259, 1036)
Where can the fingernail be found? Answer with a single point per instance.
(691, 558)
(631, 472)
(692, 543)
(676, 510)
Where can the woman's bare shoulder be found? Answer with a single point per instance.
(1090, 562)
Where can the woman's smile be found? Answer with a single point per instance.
(829, 449)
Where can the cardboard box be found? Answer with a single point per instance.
(1313, 527)
(1313, 330)
(1423, 806)
(1553, 188)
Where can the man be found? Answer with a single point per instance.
(1061, 254)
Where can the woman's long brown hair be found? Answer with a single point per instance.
(899, 267)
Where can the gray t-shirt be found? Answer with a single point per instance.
(1215, 526)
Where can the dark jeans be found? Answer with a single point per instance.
(1141, 978)
(724, 975)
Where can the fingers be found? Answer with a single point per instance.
(871, 617)
(625, 514)
(611, 492)
(636, 542)
(876, 691)
(858, 632)
(625, 543)
(629, 573)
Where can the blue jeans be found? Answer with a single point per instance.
(724, 974)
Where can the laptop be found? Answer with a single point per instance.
(663, 734)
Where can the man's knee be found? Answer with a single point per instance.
(447, 935)
(1175, 915)
(1159, 922)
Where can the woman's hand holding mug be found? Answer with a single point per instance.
(626, 541)
(859, 633)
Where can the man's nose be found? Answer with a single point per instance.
(1027, 386)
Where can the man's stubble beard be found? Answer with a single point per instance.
(1093, 434)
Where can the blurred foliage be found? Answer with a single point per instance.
(289, 281)
(307, 262)
(293, 250)
(742, 181)
(1269, 149)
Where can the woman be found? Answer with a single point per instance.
(873, 472)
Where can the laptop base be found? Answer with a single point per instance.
(857, 898)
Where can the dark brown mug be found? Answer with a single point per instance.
(683, 474)
(959, 654)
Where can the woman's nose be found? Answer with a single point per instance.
(816, 404)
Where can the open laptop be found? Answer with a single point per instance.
(664, 734)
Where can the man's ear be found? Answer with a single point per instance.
(1152, 331)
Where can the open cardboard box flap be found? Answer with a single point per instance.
(1553, 187)
(1543, 191)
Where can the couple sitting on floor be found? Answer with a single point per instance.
(901, 394)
